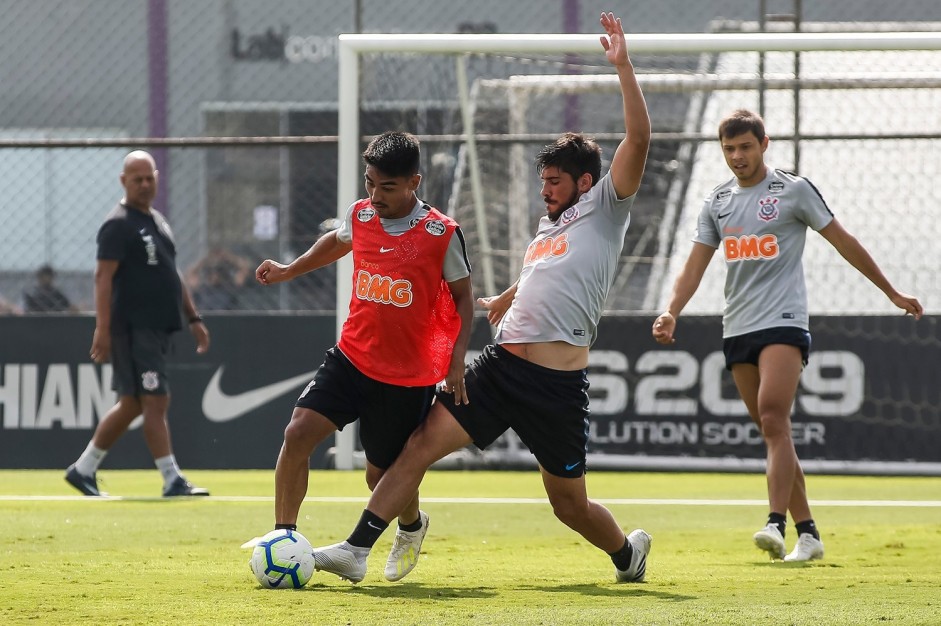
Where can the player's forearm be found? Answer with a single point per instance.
(686, 285)
(189, 307)
(102, 302)
(463, 295)
(326, 250)
(510, 293)
(636, 117)
(857, 256)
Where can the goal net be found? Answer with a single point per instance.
(854, 112)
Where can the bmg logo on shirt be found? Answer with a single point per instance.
(750, 247)
(550, 246)
(382, 289)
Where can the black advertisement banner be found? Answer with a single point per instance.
(871, 392)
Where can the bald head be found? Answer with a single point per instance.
(139, 155)
(139, 179)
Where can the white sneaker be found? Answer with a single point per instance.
(770, 540)
(251, 543)
(808, 548)
(346, 561)
(405, 550)
(640, 542)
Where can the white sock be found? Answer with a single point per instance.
(91, 458)
(168, 469)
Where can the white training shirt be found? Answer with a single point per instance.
(762, 230)
(568, 269)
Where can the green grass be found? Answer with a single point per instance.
(148, 561)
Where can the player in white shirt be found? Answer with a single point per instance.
(760, 218)
(534, 380)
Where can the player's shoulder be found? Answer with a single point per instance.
(118, 212)
(721, 193)
(787, 179)
(434, 214)
(117, 220)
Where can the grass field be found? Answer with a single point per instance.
(142, 560)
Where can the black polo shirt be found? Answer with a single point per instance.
(146, 291)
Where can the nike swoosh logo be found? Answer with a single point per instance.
(371, 525)
(219, 406)
(724, 215)
(384, 250)
(572, 466)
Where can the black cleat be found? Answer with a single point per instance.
(183, 487)
(88, 485)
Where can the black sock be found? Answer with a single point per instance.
(367, 531)
(807, 528)
(778, 520)
(622, 558)
(410, 528)
(285, 526)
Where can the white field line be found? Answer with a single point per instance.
(543, 501)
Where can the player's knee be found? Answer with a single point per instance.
(303, 434)
(569, 510)
(775, 426)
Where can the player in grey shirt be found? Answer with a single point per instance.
(762, 229)
(535, 379)
(568, 270)
(760, 218)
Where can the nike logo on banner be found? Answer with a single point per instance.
(384, 250)
(219, 406)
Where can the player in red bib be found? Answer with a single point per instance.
(408, 329)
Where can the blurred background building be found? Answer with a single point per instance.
(83, 78)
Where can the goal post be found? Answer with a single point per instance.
(352, 49)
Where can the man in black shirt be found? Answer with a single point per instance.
(139, 298)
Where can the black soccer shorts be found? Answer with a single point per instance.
(546, 408)
(139, 362)
(746, 348)
(387, 414)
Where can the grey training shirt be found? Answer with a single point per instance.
(568, 270)
(762, 230)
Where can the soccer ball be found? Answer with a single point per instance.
(283, 559)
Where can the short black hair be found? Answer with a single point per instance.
(394, 153)
(573, 153)
(742, 121)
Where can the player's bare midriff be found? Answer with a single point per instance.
(556, 355)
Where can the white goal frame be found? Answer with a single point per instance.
(352, 46)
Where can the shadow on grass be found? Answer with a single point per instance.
(610, 591)
(408, 590)
(436, 592)
(796, 564)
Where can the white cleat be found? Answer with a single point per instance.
(346, 561)
(640, 542)
(770, 540)
(251, 543)
(405, 550)
(808, 548)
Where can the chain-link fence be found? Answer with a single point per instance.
(85, 81)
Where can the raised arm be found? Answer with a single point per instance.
(627, 166)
